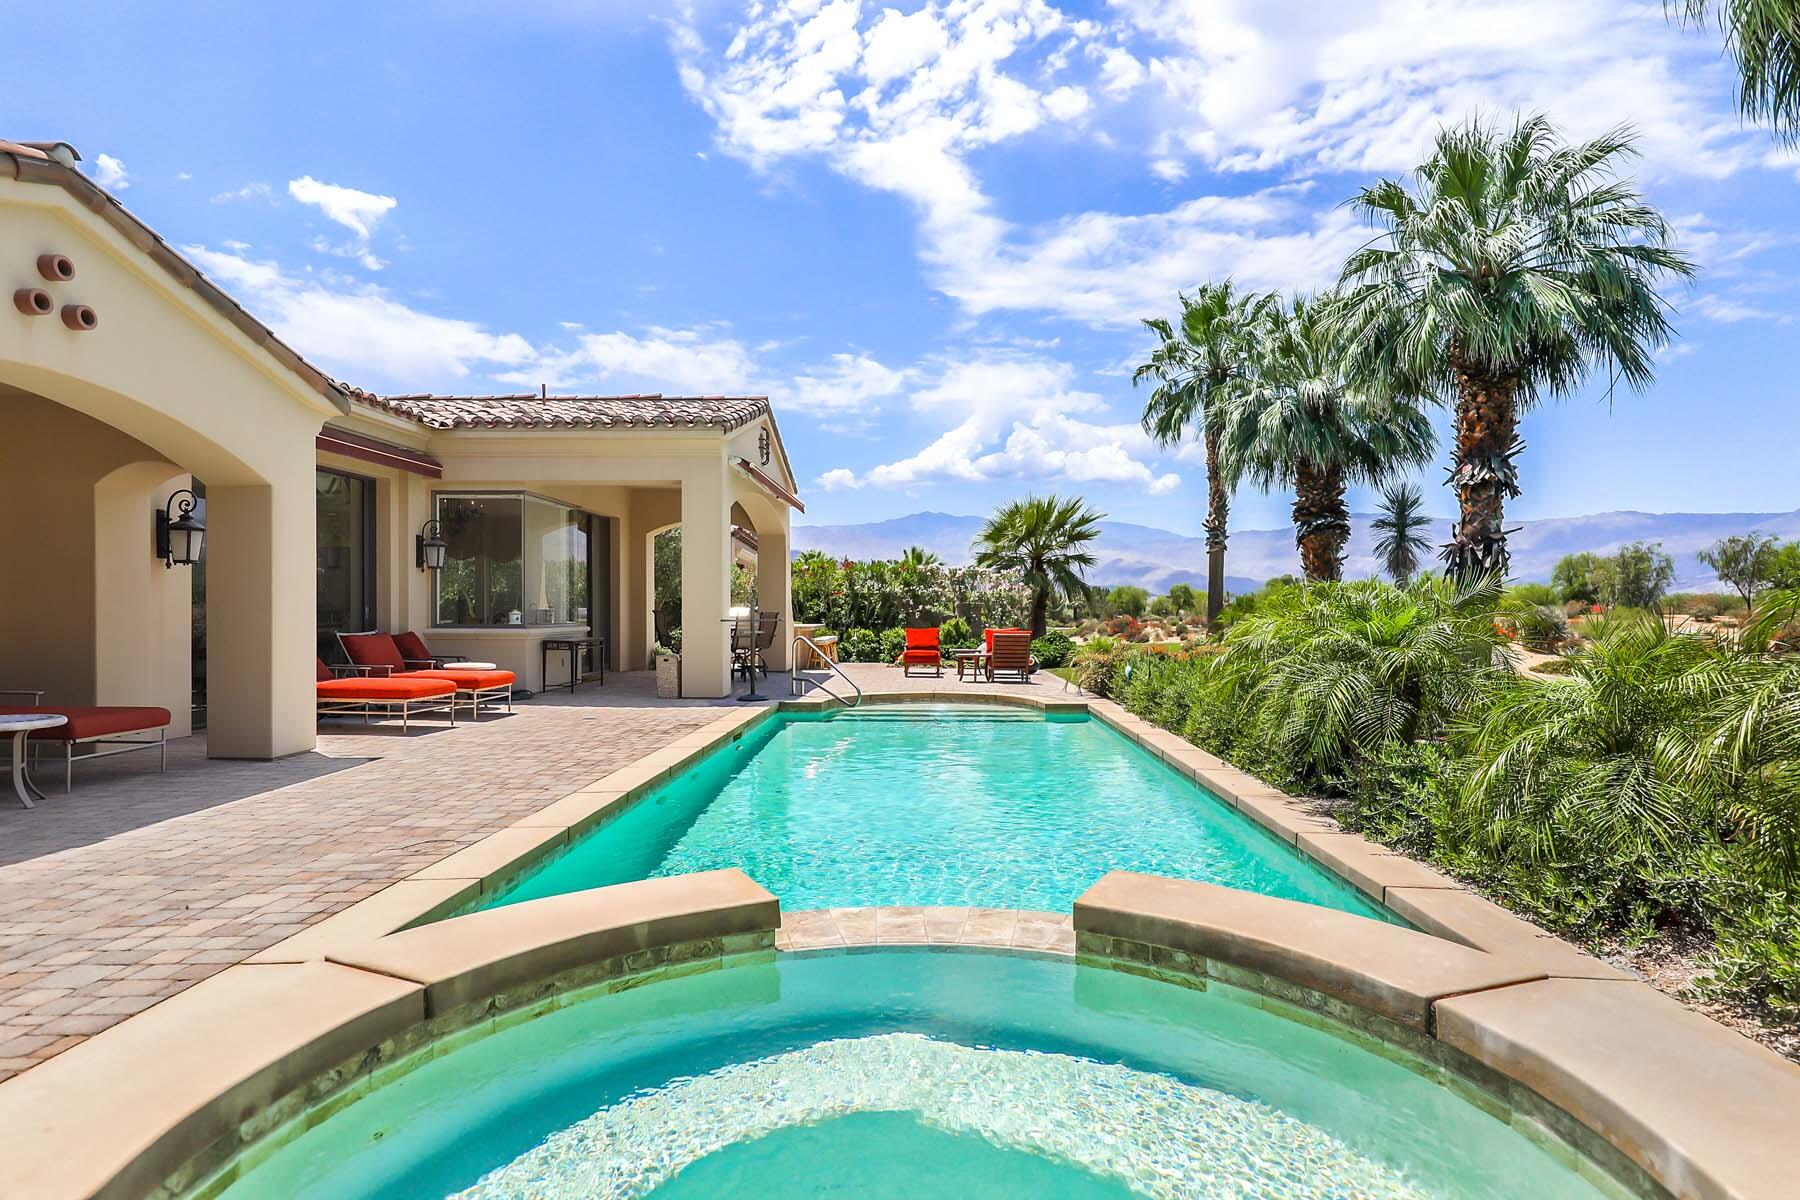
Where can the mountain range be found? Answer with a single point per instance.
(1155, 558)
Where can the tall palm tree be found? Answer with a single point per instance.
(1041, 537)
(1196, 369)
(1764, 37)
(1401, 540)
(1512, 265)
(1300, 423)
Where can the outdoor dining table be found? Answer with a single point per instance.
(21, 727)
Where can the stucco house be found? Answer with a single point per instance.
(126, 376)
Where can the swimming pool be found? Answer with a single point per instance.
(910, 1073)
(983, 806)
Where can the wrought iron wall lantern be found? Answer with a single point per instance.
(180, 535)
(429, 547)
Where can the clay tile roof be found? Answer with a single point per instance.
(531, 411)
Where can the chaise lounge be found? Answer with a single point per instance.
(94, 725)
(378, 655)
(365, 696)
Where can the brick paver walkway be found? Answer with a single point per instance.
(138, 884)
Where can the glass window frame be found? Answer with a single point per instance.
(581, 519)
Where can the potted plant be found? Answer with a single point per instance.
(668, 672)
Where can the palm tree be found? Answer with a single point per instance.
(1401, 528)
(1764, 37)
(1300, 423)
(1040, 537)
(1513, 265)
(918, 556)
(1196, 370)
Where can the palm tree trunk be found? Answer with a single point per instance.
(1321, 521)
(1483, 474)
(1218, 512)
(1040, 606)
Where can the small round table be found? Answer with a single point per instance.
(21, 727)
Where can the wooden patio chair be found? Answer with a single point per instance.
(1012, 655)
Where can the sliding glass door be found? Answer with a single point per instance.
(346, 557)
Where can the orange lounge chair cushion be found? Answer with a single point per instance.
(920, 656)
(86, 721)
(373, 650)
(470, 680)
(403, 687)
(922, 639)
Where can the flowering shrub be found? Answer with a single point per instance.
(882, 594)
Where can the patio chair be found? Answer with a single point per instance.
(987, 636)
(93, 725)
(1011, 655)
(922, 650)
(355, 692)
(380, 654)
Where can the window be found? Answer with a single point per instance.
(346, 557)
(512, 559)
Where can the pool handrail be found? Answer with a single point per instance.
(794, 677)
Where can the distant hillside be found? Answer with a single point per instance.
(1155, 558)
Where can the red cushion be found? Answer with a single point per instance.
(399, 687)
(86, 721)
(913, 656)
(922, 639)
(373, 650)
(412, 647)
(465, 679)
(324, 672)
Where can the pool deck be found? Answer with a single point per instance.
(139, 885)
(237, 933)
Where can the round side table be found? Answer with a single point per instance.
(21, 727)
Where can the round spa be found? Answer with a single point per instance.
(915, 1072)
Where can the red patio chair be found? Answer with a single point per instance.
(922, 650)
(365, 696)
(93, 725)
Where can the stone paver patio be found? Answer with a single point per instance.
(140, 884)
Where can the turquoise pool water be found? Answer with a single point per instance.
(899, 1073)
(925, 805)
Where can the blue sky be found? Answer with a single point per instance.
(925, 231)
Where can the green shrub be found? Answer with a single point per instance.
(1532, 593)
(1053, 650)
(1543, 628)
(1756, 953)
(954, 634)
(860, 646)
(893, 641)
(1095, 663)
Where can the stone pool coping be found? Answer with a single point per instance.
(180, 1087)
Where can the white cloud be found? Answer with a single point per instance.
(902, 103)
(1729, 310)
(254, 190)
(1019, 418)
(848, 383)
(110, 173)
(838, 479)
(702, 361)
(359, 331)
(359, 212)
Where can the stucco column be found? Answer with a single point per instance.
(774, 590)
(143, 610)
(261, 601)
(705, 580)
